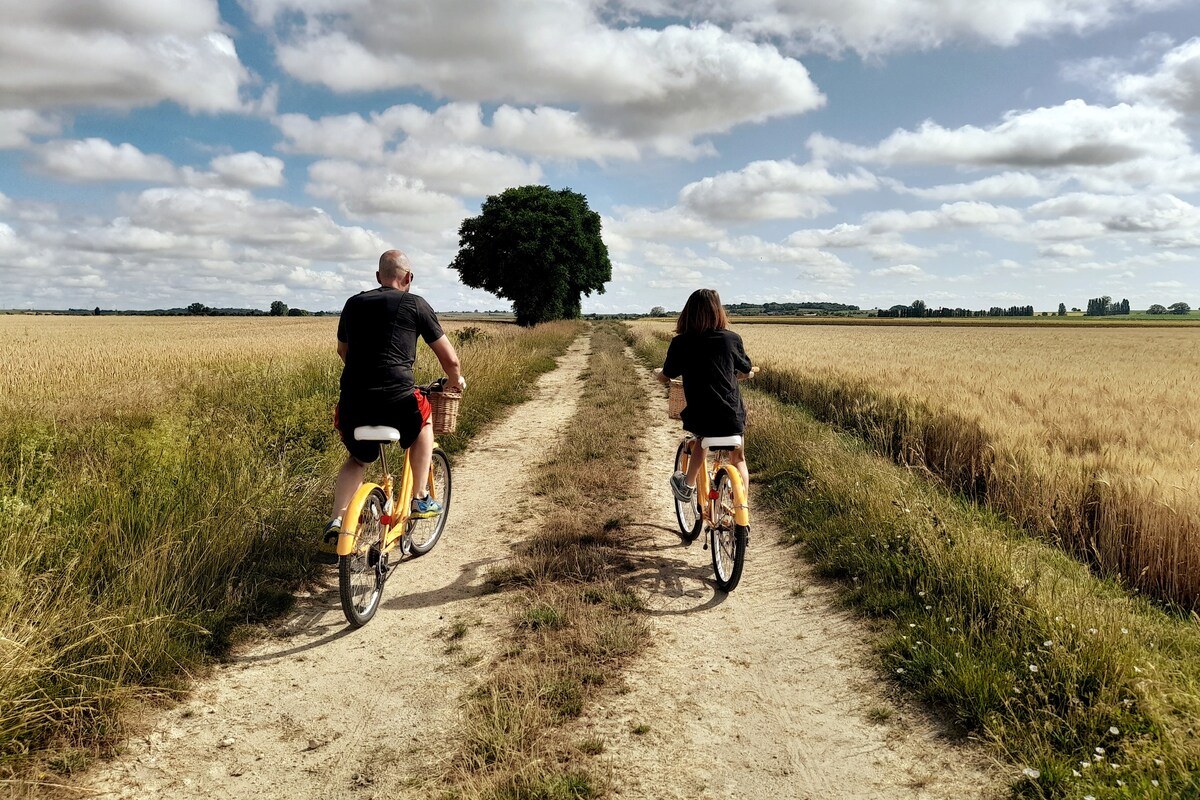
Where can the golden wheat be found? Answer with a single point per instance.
(85, 366)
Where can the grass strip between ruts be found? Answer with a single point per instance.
(575, 622)
(1089, 691)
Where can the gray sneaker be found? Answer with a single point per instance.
(683, 493)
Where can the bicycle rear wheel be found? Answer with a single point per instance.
(686, 514)
(424, 533)
(360, 580)
(728, 539)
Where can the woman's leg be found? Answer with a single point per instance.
(738, 459)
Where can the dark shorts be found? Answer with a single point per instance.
(406, 414)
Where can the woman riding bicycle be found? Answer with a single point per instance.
(709, 357)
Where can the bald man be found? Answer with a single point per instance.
(377, 341)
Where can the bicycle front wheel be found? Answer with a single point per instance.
(360, 580)
(728, 539)
(425, 533)
(686, 514)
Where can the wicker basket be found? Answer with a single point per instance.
(675, 399)
(444, 407)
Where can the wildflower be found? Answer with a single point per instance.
(1077, 773)
(1100, 750)
(899, 670)
(1097, 758)
(1124, 630)
(1085, 765)
(1058, 619)
(1153, 782)
(912, 624)
(1115, 731)
(1031, 773)
(928, 608)
(1158, 762)
(1120, 783)
(1137, 669)
(1093, 631)
(920, 594)
(947, 620)
(1047, 643)
(1089, 797)
(1033, 668)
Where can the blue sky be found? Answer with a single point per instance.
(966, 152)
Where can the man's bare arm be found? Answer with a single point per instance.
(446, 356)
(343, 348)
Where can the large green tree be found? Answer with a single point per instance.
(537, 247)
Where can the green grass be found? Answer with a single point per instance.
(1019, 644)
(133, 547)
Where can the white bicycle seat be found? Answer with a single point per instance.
(376, 433)
(721, 442)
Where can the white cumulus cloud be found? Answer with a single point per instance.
(119, 53)
(97, 159)
(674, 83)
(771, 190)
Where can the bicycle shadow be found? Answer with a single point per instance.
(322, 615)
(469, 583)
(670, 581)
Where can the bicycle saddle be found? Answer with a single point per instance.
(708, 443)
(376, 433)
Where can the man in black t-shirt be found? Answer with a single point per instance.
(377, 341)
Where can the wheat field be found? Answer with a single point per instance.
(1090, 437)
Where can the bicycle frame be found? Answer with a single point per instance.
(708, 495)
(394, 523)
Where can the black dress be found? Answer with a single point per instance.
(708, 363)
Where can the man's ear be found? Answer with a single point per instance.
(378, 277)
(408, 278)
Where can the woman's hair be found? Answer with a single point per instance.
(702, 312)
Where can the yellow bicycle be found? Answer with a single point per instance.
(721, 506)
(378, 524)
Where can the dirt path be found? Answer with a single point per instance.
(760, 693)
(282, 721)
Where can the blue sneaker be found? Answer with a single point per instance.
(424, 508)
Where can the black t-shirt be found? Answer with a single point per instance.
(708, 363)
(380, 327)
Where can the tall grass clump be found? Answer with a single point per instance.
(574, 623)
(136, 538)
(1084, 688)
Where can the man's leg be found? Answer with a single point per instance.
(349, 478)
(419, 456)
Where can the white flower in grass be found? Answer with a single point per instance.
(900, 670)
(1047, 643)
(1120, 783)
(1085, 765)
(1033, 668)
(1089, 797)
(912, 624)
(1100, 750)
(1124, 630)
(1097, 758)
(1031, 773)
(920, 594)
(1115, 731)
(1154, 783)
(1158, 762)
(928, 608)
(1137, 669)
(1077, 773)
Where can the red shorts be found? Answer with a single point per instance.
(408, 415)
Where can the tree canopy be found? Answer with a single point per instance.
(537, 247)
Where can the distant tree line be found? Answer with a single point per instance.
(1105, 307)
(277, 309)
(918, 309)
(1174, 308)
(785, 309)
